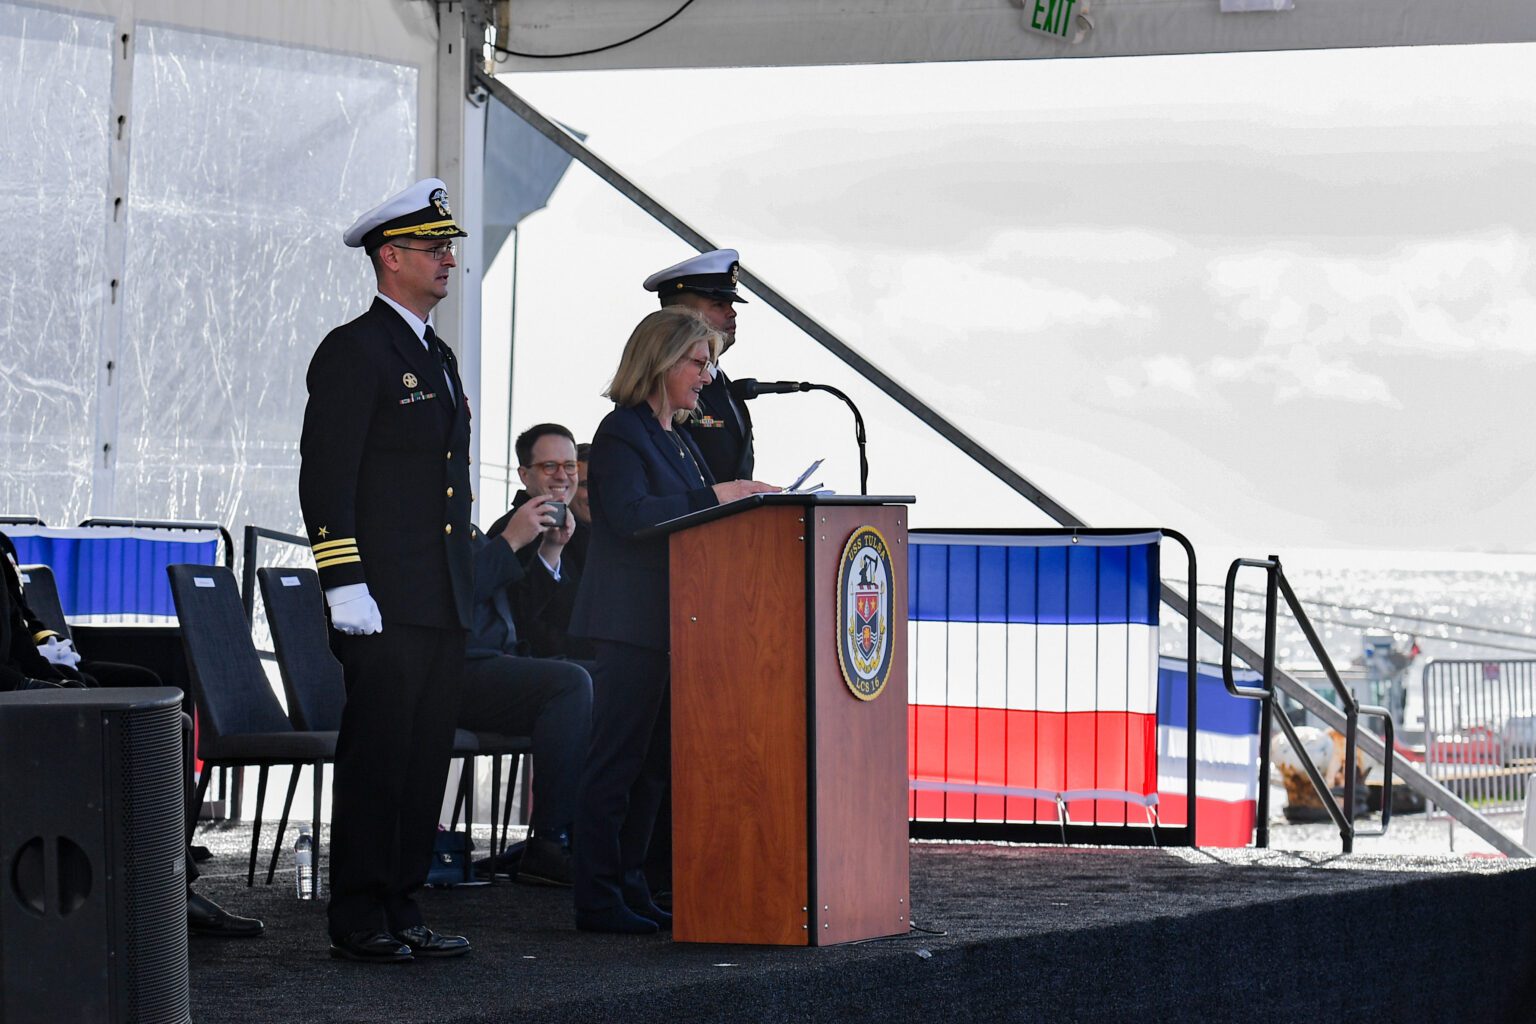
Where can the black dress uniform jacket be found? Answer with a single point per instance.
(722, 430)
(384, 481)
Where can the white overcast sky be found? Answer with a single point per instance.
(1275, 301)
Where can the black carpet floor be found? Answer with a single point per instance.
(1012, 933)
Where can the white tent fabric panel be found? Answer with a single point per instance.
(53, 208)
(240, 187)
(242, 161)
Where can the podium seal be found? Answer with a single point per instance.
(865, 579)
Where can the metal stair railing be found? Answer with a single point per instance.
(1343, 817)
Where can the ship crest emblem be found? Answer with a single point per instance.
(866, 579)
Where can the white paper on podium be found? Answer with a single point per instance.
(794, 488)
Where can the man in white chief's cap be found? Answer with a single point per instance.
(385, 490)
(721, 426)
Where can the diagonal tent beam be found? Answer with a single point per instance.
(1315, 704)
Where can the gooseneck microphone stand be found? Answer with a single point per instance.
(858, 432)
(746, 388)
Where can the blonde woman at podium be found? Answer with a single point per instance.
(643, 472)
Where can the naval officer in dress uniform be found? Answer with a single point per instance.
(384, 486)
(721, 426)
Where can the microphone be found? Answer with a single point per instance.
(748, 388)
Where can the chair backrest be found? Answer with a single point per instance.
(312, 676)
(42, 594)
(231, 689)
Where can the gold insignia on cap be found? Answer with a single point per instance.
(439, 199)
(409, 380)
(735, 272)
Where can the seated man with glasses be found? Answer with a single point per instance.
(553, 561)
(517, 678)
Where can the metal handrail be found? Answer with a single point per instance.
(1278, 585)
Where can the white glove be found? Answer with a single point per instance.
(60, 652)
(357, 615)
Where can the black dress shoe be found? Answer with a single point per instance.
(618, 920)
(205, 917)
(423, 941)
(370, 947)
(651, 912)
(546, 862)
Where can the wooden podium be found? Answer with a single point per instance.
(789, 791)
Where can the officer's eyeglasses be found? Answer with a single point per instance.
(436, 253)
(551, 468)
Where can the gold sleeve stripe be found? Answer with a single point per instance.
(337, 559)
(326, 545)
(42, 635)
(348, 549)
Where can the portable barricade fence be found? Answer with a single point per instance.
(1480, 730)
(1033, 687)
(109, 575)
(1226, 753)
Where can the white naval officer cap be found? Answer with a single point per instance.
(420, 211)
(710, 273)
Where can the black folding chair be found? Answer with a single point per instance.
(312, 679)
(242, 722)
(42, 593)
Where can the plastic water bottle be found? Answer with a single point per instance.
(304, 865)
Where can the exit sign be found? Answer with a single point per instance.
(1054, 17)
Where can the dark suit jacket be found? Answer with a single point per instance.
(636, 479)
(19, 657)
(541, 605)
(722, 428)
(384, 477)
(497, 571)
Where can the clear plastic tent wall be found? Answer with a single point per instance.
(55, 78)
(246, 160)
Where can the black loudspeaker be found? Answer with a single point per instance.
(93, 916)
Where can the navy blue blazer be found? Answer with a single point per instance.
(636, 479)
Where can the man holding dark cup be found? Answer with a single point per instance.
(552, 559)
(518, 678)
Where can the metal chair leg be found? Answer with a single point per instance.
(282, 825)
(467, 787)
(261, 797)
(458, 799)
(197, 801)
(495, 804)
(506, 809)
(319, 780)
(527, 774)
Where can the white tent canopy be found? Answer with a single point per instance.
(734, 33)
(174, 176)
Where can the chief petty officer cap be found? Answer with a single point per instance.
(710, 273)
(420, 211)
